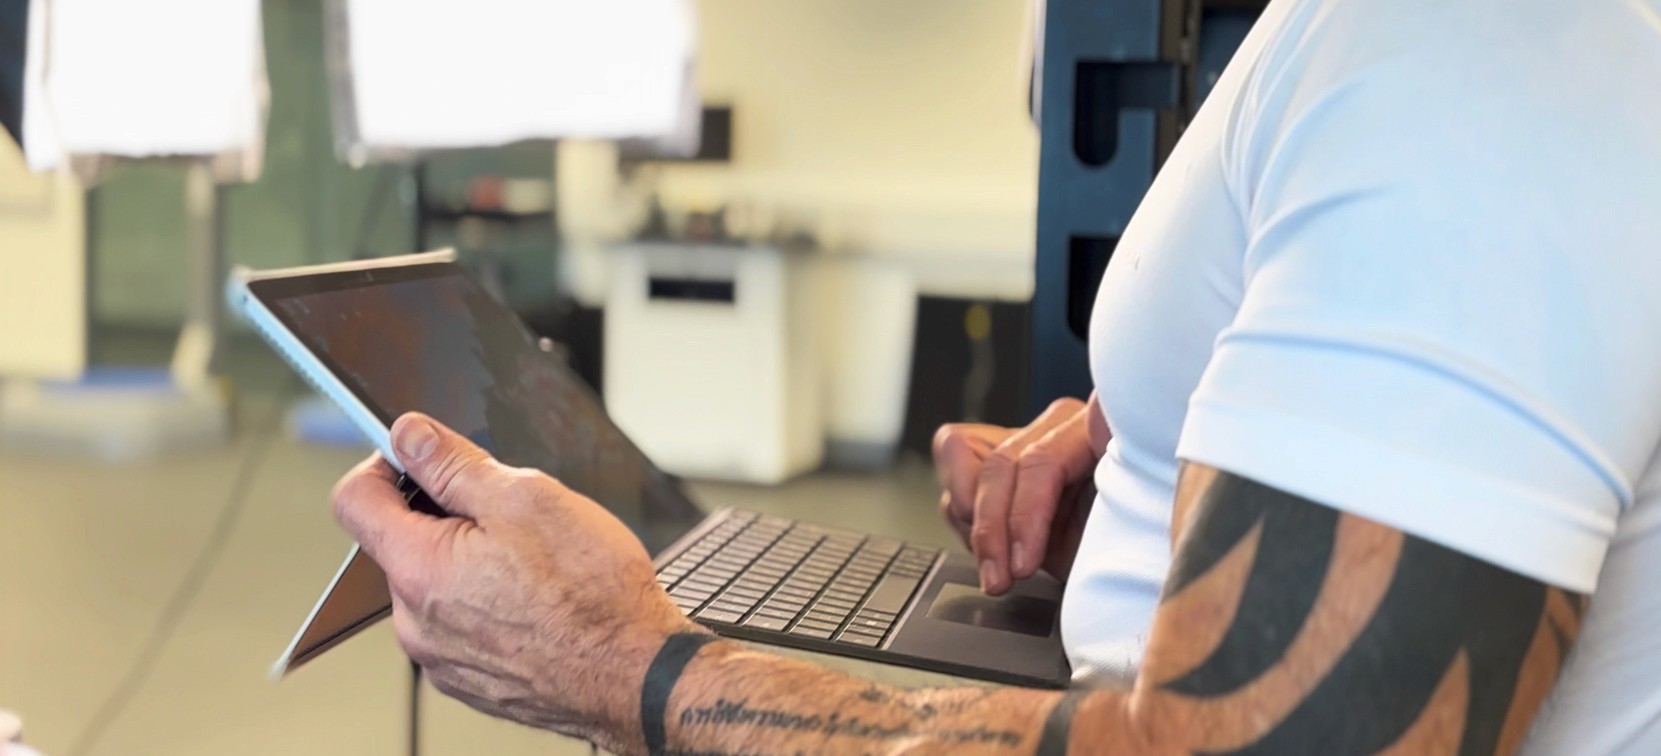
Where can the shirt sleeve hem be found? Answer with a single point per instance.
(1499, 522)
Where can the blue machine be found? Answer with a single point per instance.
(1117, 82)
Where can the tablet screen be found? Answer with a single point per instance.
(428, 338)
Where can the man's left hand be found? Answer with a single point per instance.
(530, 602)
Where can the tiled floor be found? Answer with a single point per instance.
(90, 554)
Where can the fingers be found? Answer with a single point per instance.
(451, 469)
(372, 510)
(1099, 432)
(959, 449)
(995, 493)
(1046, 471)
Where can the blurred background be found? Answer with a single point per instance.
(784, 241)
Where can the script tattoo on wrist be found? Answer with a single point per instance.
(726, 712)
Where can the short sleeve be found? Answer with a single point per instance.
(1451, 311)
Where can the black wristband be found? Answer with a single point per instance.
(661, 676)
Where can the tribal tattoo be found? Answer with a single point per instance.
(1287, 626)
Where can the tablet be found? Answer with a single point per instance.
(416, 333)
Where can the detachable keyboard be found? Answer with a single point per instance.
(774, 574)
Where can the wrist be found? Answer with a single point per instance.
(659, 681)
(634, 690)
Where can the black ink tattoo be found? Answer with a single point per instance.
(924, 711)
(727, 712)
(661, 677)
(1280, 590)
(1439, 603)
(1058, 726)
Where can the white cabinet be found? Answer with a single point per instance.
(710, 363)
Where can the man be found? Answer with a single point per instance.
(1393, 304)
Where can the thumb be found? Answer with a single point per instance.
(449, 468)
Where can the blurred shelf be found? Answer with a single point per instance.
(501, 216)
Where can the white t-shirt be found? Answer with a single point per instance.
(1406, 262)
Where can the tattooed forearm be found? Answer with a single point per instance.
(740, 713)
(1281, 620)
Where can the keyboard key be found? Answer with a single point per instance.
(697, 597)
(779, 613)
(868, 641)
(762, 622)
(812, 632)
(829, 627)
(871, 624)
(884, 545)
(892, 593)
(877, 614)
(729, 605)
(718, 615)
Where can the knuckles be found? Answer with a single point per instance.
(450, 473)
(528, 484)
(985, 534)
(951, 443)
(1002, 464)
(1062, 407)
(1037, 459)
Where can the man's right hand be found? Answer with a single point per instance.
(1019, 496)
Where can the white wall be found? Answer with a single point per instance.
(42, 271)
(899, 129)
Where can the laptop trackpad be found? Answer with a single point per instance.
(966, 605)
